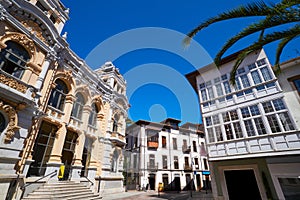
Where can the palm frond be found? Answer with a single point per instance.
(237, 63)
(292, 32)
(279, 50)
(253, 28)
(253, 9)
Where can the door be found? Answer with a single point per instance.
(241, 184)
(152, 181)
(177, 182)
(68, 153)
(198, 182)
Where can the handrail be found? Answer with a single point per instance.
(27, 184)
(86, 178)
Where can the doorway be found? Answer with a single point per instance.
(177, 182)
(151, 179)
(86, 156)
(198, 180)
(42, 149)
(68, 153)
(241, 184)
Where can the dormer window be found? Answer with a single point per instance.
(13, 59)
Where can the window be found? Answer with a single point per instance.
(196, 163)
(186, 162)
(219, 133)
(174, 143)
(115, 124)
(274, 125)
(176, 164)
(152, 136)
(78, 106)
(296, 83)
(227, 87)
(184, 146)
(260, 126)
(58, 95)
(194, 146)
(210, 133)
(151, 161)
(2, 123)
(266, 73)
(13, 59)
(238, 130)
(256, 78)
(165, 162)
(249, 128)
(268, 107)
(205, 164)
(208, 121)
(216, 119)
(228, 131)
(93, 115)
(163, 142)
(134, 161)
(245, 81)
(219, 90)
(286, 122)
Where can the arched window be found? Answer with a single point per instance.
(78, 106)
(13, 59)
(115, 124)
(93, 115)
(58, 95)
(2, 122)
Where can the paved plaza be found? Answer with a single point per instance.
(140, 195)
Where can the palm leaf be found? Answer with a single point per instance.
(261, 25)
(249, 10)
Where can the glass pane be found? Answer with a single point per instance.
(286, 122)
(249, 128)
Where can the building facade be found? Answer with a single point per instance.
(165, 153)
(54, 109)
(251, 128)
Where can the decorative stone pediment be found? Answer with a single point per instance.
(12, 121)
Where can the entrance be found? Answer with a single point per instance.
(198, 182)
(177, 182)
(42, 149)
(236, 180)
(86, 156)
(151, 181)
(68, 153)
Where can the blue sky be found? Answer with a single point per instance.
(95, 23)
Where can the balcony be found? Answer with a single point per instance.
(117, 139)
(186, 149)
(152, 145)
(152, 166)
(187, 168)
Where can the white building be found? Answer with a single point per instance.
(252, 129)
(165, 153)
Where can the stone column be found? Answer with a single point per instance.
(55, 158)
(68, 107)
(44, 71)
(77, 164)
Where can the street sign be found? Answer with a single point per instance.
(205, 172)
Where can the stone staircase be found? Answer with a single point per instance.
(66, 190)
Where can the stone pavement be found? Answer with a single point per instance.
(140, 195)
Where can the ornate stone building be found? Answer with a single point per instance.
(54, 109)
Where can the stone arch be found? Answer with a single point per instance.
(12, 123)
(67, 78)
(84, 90)
(27, 43)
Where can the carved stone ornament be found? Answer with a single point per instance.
(25, 41)
(35, 29)
(12, 121)
(13, 83)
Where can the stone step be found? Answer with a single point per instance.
(64, 191)
(58, 192)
